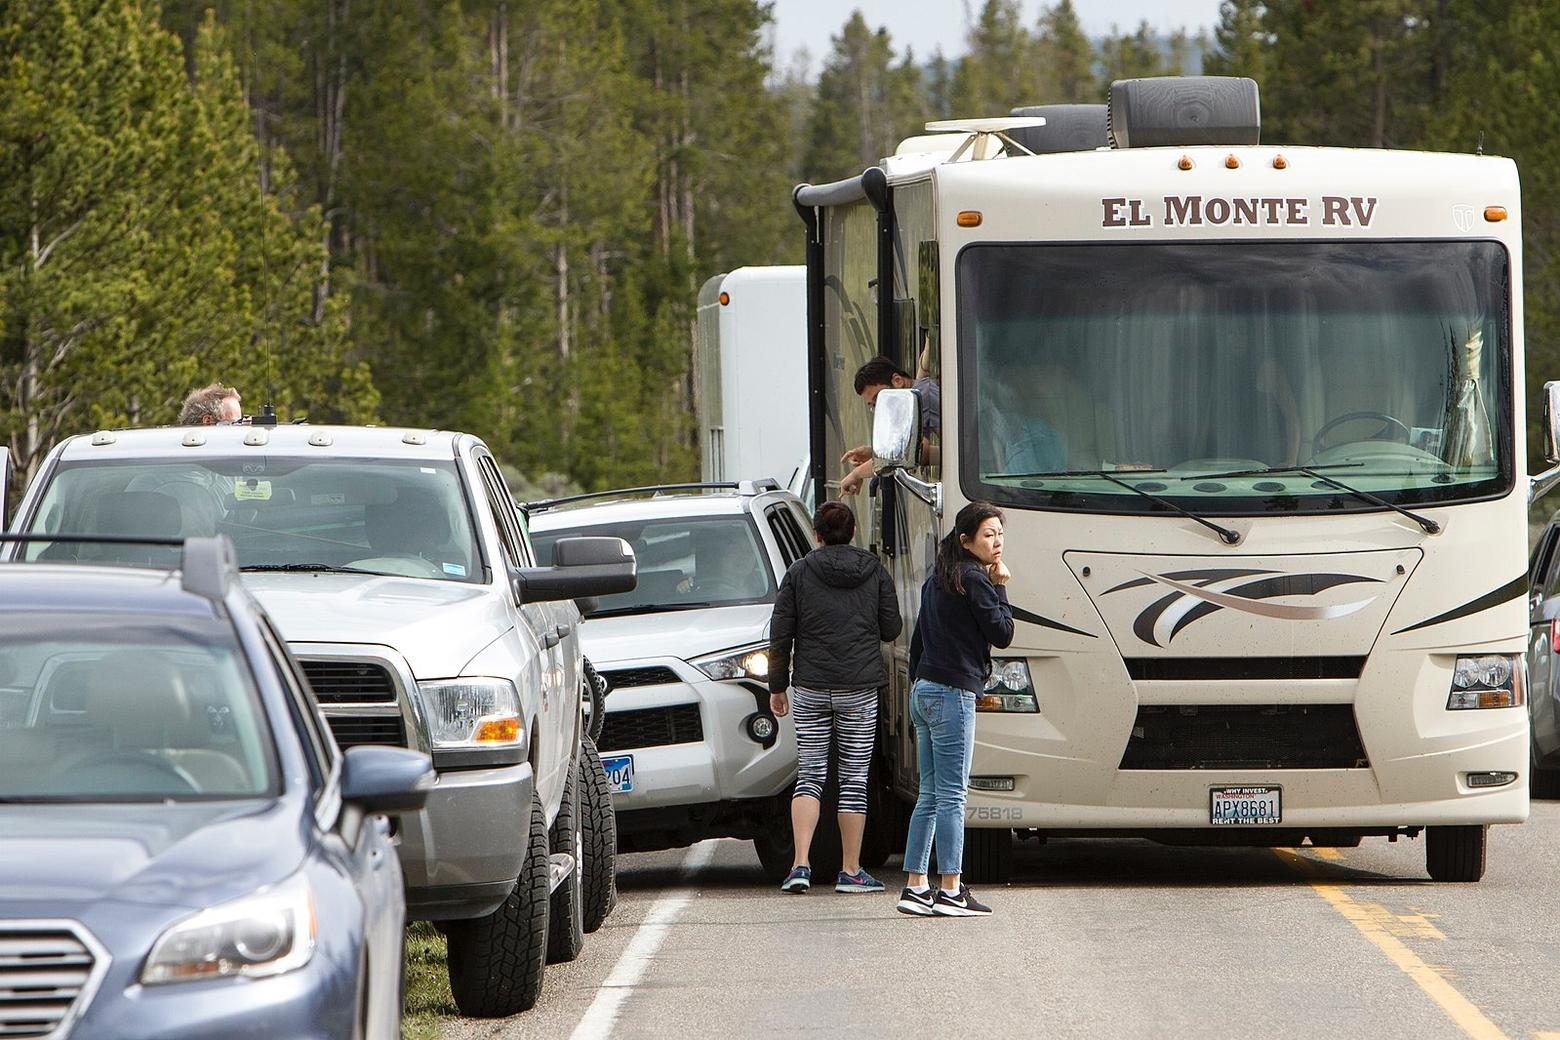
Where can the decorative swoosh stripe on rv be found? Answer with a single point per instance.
(1509, 591)
(1035, 619)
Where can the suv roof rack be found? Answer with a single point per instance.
(742, 487)
(207, 566)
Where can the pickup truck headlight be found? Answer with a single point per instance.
(1009, 688)
(1487, 681)
(471, 713)
(265, 934)
(749, 662)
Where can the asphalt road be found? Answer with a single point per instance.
(1107, 938)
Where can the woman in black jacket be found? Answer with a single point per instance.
(834, 608)
(964, 613)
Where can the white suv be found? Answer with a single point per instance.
(689, 744)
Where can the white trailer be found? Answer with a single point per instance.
(1255, 414)
(751, 380)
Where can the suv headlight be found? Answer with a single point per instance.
(748, 662)
(1009, 688)
(471, 713)
(268, 933)
(1487, 681)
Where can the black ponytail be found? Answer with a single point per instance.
(952, 557)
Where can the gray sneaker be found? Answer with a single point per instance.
(798, 881)
(860, 881)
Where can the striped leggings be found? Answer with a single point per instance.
(850, 719)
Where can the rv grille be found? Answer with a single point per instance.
(1184, 669)
(1268, 736)
(43, 973)
(651, 727)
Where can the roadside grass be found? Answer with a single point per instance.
(428, 999)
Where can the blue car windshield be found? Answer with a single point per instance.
(93, 709)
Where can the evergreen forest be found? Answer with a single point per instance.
(495, 215)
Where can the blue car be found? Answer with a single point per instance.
(184, 852)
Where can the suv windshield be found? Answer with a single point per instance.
(403, 517)
(141, 712)
(1235, 377)
(684, 563)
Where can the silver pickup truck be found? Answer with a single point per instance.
(403, 578)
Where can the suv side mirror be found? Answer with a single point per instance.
(584, 567)
(385, 779)
(896, 428)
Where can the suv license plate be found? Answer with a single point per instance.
(620, 773)
(1236, 806)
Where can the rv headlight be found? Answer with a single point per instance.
(1008, 688)
(748, 662)
(471, 713)
(269, 933)
(1487, 681)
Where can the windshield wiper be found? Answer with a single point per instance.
(1226, 535)
(1314, 472)
(646, 608)
(313, 568)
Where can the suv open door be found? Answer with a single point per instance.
(5, 481)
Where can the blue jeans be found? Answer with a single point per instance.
(944, 719)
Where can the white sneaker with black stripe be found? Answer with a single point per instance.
(962, 905)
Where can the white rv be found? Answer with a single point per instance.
(1255, 415)
(751, 379)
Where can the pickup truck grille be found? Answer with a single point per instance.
(1222, 736)
(350, 682)
(651, 727)
(353, 730)
(44, 974)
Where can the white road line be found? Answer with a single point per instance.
(602, 1015)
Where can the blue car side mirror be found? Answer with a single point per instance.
(385, 779)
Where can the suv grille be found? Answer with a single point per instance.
(1268, 736)
(43, 974)
(656, 675)
(350, 682)
(352, 730)
(651, 727)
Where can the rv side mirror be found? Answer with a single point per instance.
(584, 567)
(896, 428)
(1552, 421)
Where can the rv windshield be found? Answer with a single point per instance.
(1235, 377)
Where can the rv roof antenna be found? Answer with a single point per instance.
(984, 133)
(1478, 149)
(267, 416)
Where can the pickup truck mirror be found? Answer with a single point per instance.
(5, 481)
(583, 567)
(1552, 422)
(896, 428)
(385, 779)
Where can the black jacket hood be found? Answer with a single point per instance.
(842, 566)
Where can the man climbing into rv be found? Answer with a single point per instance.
(872, 378)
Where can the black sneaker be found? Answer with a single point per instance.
(962, 905)
(916, 904)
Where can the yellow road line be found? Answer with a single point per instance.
(1375, 926)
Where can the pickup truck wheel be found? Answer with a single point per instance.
(566, 924)
(988, 855)
(877, 844)
(594, 694)
(496, 962)
(598, 834)
(1455, 853)
(1542, 783)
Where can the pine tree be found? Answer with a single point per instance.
(1243, 44)
(1064, 57)
(998, 71)
(1131, 55)
(865, 104)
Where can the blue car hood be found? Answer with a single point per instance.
(189, 854)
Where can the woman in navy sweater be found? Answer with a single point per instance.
(964, 613)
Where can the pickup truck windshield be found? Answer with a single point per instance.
(684, 564)
(1219, 376)
(400, 517)
(93, 709)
